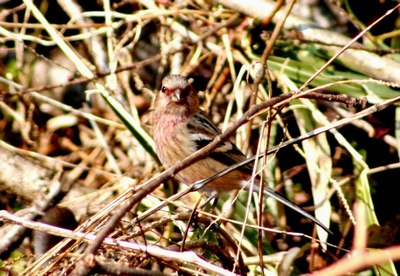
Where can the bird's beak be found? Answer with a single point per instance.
(176, 95)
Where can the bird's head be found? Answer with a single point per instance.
(177, 92)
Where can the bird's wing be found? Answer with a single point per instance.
(202, 131)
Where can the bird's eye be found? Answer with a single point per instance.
(163, 89)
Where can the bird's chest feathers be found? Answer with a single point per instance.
(173, 138)
(170, 126)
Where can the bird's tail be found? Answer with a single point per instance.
(270, 192)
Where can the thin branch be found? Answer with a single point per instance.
(359, 261)
(189, 256)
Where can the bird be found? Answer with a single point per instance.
(181, 127)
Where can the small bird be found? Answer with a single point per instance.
(181, 128)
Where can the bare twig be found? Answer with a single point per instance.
(189, 257)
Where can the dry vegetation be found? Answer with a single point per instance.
(77, 79)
